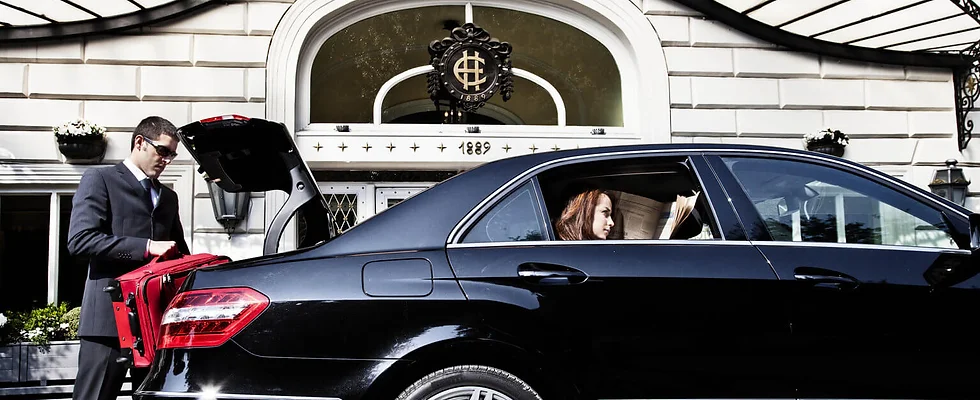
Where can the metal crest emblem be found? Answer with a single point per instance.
(469, 67)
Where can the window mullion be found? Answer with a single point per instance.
(54, 222)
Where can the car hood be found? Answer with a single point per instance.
(241, 154)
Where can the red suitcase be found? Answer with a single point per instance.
(140, 297)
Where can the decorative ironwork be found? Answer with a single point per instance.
(965, 86)
(343, 206)
(966, 80)
(468, 68)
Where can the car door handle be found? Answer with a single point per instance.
(550, 274)
(820, 277)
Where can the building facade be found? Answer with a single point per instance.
(348, 78)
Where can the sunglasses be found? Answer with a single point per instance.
(162, 151)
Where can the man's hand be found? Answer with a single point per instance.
(162, 248)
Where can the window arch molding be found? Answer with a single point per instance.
(520, 73)
(620, 26)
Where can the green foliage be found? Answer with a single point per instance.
(40, 325)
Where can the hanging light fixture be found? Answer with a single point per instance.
(950, 183)
(229, 208)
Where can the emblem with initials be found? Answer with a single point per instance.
(469, 67)
(468, 70)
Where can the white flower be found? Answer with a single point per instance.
(78, 127)
(3, 320)
(31, 334)
(64, 325)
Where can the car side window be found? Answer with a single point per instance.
(651, 198)
(805, 202)
(514, 219)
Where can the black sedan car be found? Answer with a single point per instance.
(648, 271)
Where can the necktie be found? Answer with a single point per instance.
(147, 185)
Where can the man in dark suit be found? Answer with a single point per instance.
(121, 218)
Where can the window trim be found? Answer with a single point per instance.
(378, 106)
(707, 153)
(612, 242)
(890, 247)
(748, 209)
(460, 231)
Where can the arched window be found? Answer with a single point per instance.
(561, 73)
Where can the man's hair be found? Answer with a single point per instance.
(151, 128)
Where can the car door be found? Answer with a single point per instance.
(873, 315)
(629, 318)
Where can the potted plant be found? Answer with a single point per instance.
(40, 344)
(827, 141)
(81, 141)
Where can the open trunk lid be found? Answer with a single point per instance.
(242, 154)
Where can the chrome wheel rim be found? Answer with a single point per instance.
(470, 393)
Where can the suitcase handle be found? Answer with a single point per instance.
(166, 257)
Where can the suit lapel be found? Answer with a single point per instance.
(134, 186)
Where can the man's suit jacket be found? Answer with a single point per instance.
(112, 218)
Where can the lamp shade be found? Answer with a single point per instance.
(950, 183)
(229, 208)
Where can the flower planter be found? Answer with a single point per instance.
(28, 362)
(10, 363)
(82, 149)
(833, 149)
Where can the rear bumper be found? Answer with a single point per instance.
(228, 372)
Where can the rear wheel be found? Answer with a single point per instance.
(465, 382)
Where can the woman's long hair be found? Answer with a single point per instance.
(575, 222)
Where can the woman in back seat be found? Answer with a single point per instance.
(587, 216)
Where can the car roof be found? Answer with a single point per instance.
(425, 221)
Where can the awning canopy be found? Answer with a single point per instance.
(22, 20)
(931, 33)
(927, 33)
(934, 26)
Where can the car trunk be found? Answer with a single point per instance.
(239, 155)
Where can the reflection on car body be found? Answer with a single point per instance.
(794, 275)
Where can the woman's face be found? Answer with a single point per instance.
(602, 221)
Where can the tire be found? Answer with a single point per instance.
(459, 383)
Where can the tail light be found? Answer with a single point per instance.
(224, 117)
(208, 318)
